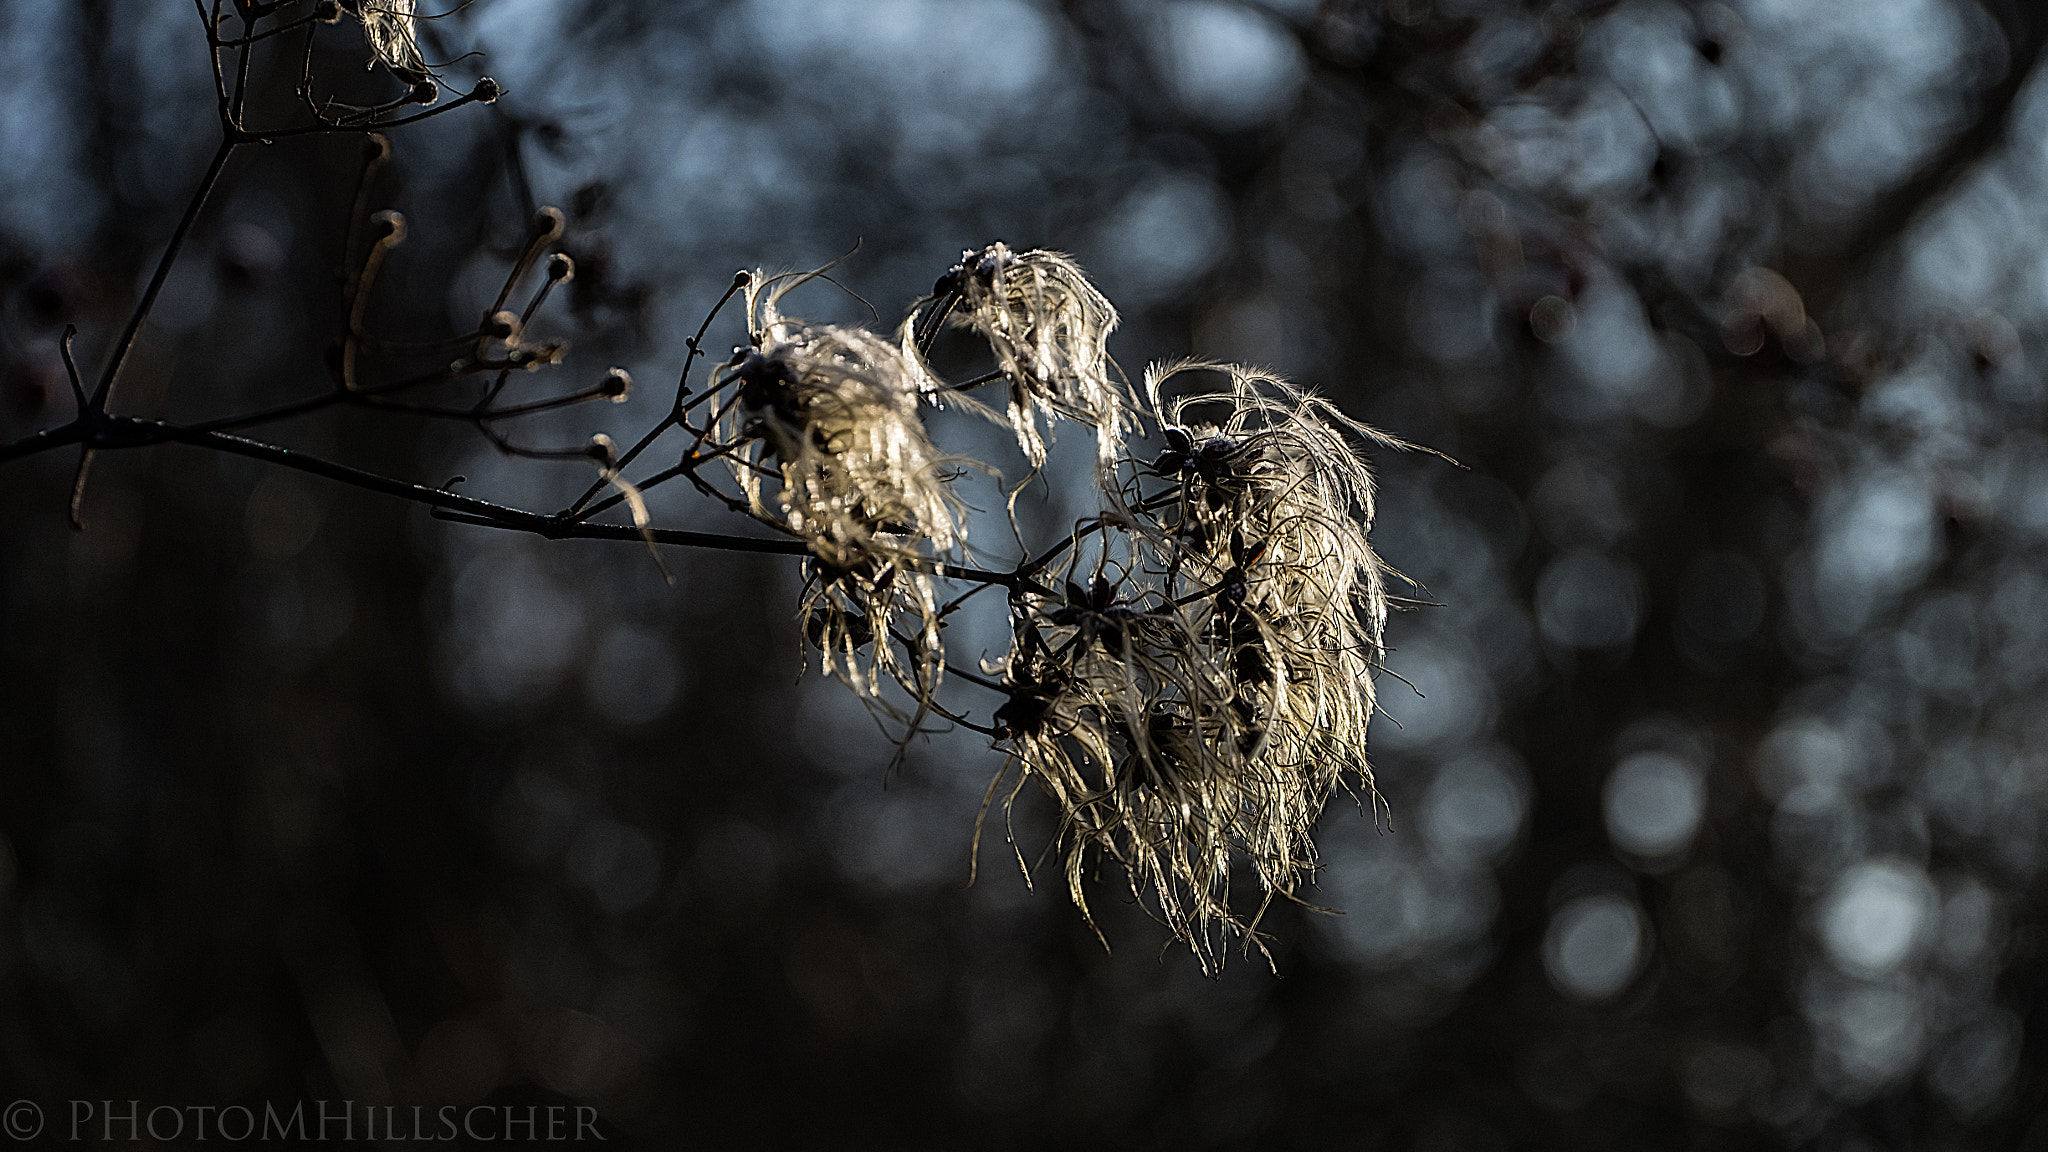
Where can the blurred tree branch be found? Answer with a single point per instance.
(1826, 275)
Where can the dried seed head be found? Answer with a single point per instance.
(828, 416)
(1158, 758)
(1202, 707)
(850, 615)
(389, 27)
(1049, 328)
(617, 384)
(1280, 467)
(834, 410)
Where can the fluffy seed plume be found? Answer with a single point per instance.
(1203, 705)
(1049, 328)
(834, 409)
(829, 414)
(1281, 468)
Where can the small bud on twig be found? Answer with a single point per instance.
(425, 91)
(327, 12)
(503, 326)
(618, 384)
(486, 90)
(561, 267)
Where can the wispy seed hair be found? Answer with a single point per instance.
(1049, 328)
(390, 27)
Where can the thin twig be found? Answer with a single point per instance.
(104, 390)
(486, 91)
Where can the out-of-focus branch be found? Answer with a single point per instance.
(1825, 276)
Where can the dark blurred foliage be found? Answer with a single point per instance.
(1718, 814)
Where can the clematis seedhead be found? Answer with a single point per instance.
(1049, 328)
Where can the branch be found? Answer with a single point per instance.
(486, 91)
(97, 431)
(740, 280)
(1824, 276)
(105, 388)
(581, 530)
(42, 441)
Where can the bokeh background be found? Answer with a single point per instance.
(1719, 806)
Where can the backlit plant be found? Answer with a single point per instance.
(1189, 674)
